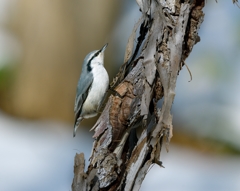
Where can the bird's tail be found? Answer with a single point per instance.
(76, 125)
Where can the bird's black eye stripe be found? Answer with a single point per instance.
(89, 62)
(97, 53)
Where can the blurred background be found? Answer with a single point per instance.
(42, 45)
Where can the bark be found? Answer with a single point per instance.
(121, 158)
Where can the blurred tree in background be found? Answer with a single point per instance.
(46, 42)
(54, 36)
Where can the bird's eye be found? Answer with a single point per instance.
(97, 53)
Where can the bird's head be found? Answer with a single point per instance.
(95, 57)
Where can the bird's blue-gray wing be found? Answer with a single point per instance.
(84, 84)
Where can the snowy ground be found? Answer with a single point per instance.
(39, 156)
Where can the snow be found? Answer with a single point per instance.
(39, 155)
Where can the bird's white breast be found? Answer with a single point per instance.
(97, 92)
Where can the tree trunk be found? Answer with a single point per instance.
(120, 158)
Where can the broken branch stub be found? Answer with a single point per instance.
(120, 159)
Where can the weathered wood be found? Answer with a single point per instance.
(79, 175)
(168, 33)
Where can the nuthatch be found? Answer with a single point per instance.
(91, 88)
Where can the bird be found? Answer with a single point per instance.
(91, 88)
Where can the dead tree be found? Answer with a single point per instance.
(120, 159)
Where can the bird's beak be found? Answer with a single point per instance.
(104, 47)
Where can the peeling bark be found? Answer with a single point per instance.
(120, 160)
